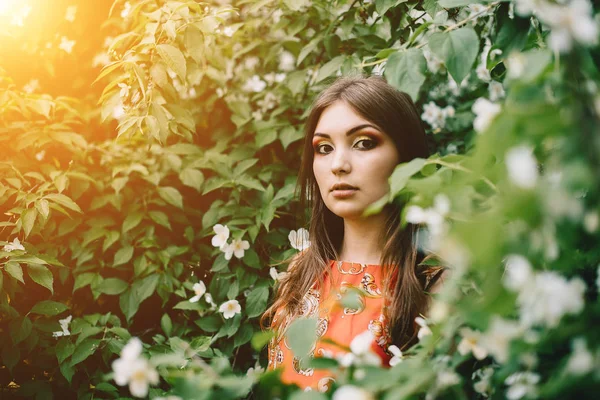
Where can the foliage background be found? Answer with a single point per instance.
(130, 129)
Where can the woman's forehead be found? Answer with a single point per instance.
(339, 117)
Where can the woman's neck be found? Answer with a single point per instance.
(362, 239)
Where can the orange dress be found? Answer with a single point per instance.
(336, 322)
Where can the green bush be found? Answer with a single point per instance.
(123, 159)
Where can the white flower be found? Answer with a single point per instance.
(299, 239)
(484, 385)
(101, 59)
(573, 22)
(522, 166)
(591, 221)
(209, 299)
(521, 384)
(64, 325)
(124, 92)
(361, 352)
(350, 392)
(470, 343)
(424, 330)
(436, 116)
(230, 308)
(581, 360)
(277, 276)
(277, 15)
(498, 337)
(287, 61)
(126, 10)
(66, 44)
(397, 358)
(379, 69)
(485, 112)
(362, 343)
(434, 64)
(40, 156)
(483, 73)
(255, 84)
(496, 90)
(222, 234)
(70, 14)
(133, 369)
(199, 290)
(118, 111)
(31, 86)
(518, 272)
(549, 297)
(477, 11)
(447, 378)
(515, 65)
(237, 248)
(15, 245)
(255, 372)
(228, 31)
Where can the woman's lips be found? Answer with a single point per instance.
(343, 193)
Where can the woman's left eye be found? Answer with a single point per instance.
(365, 144)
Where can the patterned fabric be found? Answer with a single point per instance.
(336, 322)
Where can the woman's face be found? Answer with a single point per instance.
(351, 150)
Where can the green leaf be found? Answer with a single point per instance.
(112, 286)
(19, 329)
(256, 303)
(28, 219)
(243, 335)
(48, 308)
(382, 6)
(131, 221)
(194, 43)
(458, 3)
(145, 288)
(11, 356)
(174, 59)
(14, 269)
(192, 177)
(301, 335)
(260, 339)
(43, 207)
(160, 218)
(64, 201)
(41, 275)
(64, 348)
(330, 68)
(68, 371)
(110, 239)
(210, 323)
(84, 279)
(123, 256)
(458, 49)
(171, 196)
(187, 305)
(403, 173)
(129, 303)
(166, 324)
(84, 350)
(404, 71)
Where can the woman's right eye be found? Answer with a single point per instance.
(323, 148)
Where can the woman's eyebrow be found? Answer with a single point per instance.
(350, 131)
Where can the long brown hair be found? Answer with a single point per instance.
(394, 112)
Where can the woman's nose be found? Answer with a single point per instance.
(340, 163)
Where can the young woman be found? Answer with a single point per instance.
(359, 129)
